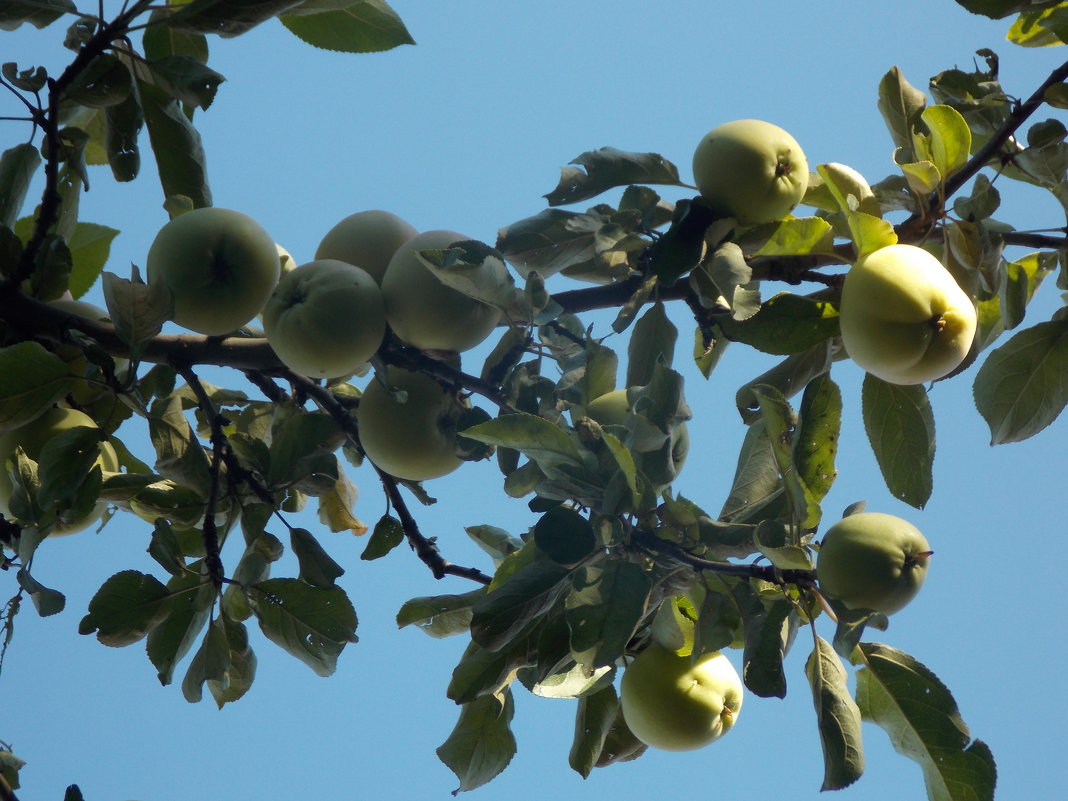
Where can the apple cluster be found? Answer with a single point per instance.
(904, 318)
(327, 318)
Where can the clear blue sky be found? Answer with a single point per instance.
(466, 131)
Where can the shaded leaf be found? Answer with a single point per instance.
(603, 610)
(125, 608)
(311, 623)
(837, 716)
(603, 169)
(900, 427)
(923, 722)
(363, 26)
(1023, 385)
(594, 717)
(481, 745)
(440, 615)
(31, 380)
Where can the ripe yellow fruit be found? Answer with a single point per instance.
(414, 440)
(674, 703)
(32, 438)
(219, 264)
(367, 239)
(426, 313)
(751, 170)
(904, 318)
(325, 319)
(872, 560)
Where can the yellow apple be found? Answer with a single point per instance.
(751, 170)
(220, 265)
(676, 703)
(325, 319)
(872, 560)
(426, 313)
(32, 438)
(367, 239)
(414, 440)
(904, 318)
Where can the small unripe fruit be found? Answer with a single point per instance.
(872, 560)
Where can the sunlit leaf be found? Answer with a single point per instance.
(1023, 385)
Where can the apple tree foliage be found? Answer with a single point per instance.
(612, 552)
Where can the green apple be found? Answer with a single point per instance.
(904, 318)
(367, 239)
(414, 440)
(32, 438)
(325, 319)
(751, 170)
(219, 264)
(613, 408)
(90, 384)
(426, 313)
(676, 703)
(872, 560)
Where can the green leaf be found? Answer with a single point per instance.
(652, 341)
(482, 744)
(177, 146)
(440, 615)
(786, 324)
(603, 610)
(17, 167)
(603, 169)
(122, 127)
(226, 18)
(137, 310)
(209, 663)
(90, 246)
(594, 717)
(39, 13)
(298, 446)
(537, 438)
(900, 427)
(900, 104)
(169, 642)
(564, 535)
(45, 600)
(125, 608)
(31, 380)
(316, 566)
(186, 78)
(1043, 27)
(923, 722)
(311, 623)
(483, 672)
(798, 236)
(756, 477)
(388, 533)
(950, 138)
(766, 640)
(780, 423)
(179, 454)
(837, 716)
(366, 26)
(506, 610)
(870, 233)
(1023, 385)
(818, 433)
